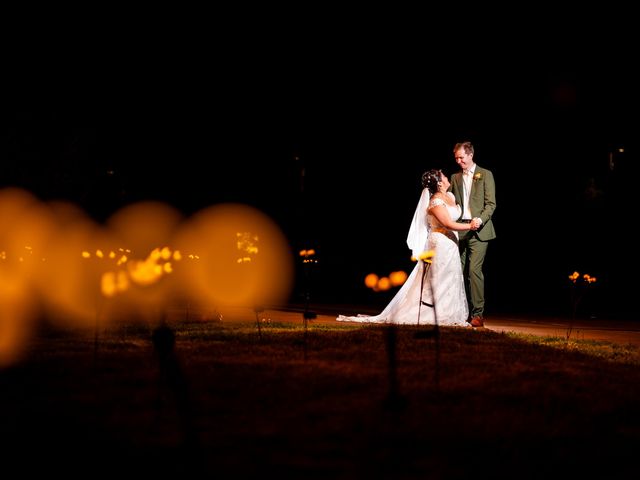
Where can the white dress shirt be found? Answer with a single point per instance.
(467, 180)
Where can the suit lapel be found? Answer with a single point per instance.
(473, 183)
(460, 182)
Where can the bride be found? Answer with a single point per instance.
(441, 291)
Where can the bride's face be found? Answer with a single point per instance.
(445, 182)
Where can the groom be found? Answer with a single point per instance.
(475, 191)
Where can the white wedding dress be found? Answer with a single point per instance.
(443, 284)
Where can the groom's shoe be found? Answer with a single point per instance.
(477, 321)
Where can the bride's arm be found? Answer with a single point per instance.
(442, 215)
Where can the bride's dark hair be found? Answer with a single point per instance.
(430, 179)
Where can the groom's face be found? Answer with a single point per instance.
(465, 160)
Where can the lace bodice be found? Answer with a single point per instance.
(454, 211)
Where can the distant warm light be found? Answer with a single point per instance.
(113, 282)
(247, 242)
(222, 235)
(307, 256)
(57, 263)
(26, 226)
(586, 278)
(70, 282)
(16, 320)
(148, 271)
(147, 230)
(383, 284)
(143, 226)
(397, 278)
(378, 284)
(371, 280)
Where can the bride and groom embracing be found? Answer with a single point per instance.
(453, 220)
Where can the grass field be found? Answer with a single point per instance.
(227, 399)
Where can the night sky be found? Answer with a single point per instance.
(329, 130)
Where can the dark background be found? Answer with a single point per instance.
(326, 123)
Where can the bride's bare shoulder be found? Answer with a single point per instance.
(439, 195)
(437, 199)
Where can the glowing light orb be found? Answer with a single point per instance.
(243, 257)
(371, 280)
(397, 278)
(383, 284)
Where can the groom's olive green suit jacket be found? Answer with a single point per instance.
(482, 200)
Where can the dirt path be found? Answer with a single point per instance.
(607, 330)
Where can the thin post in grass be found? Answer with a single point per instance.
(394, 400)
(578, 291)
(172, 381)
(307, 261)
(258, 310)
(306, 316)
(96, 333)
